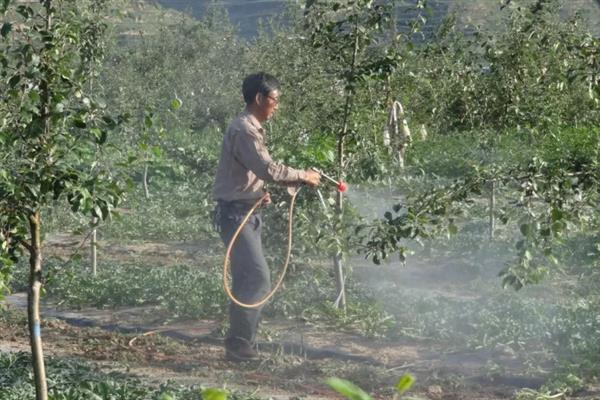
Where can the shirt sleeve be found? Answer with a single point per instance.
(251, 152)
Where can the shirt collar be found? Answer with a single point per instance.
(253, 121)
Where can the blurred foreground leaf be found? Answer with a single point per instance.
(404, 383)
(348, 389)
(214, 394)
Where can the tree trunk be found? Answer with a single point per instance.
(33, 307)
(338, 268)
(93, 248)
(35, 256)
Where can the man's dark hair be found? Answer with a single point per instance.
(260, 82)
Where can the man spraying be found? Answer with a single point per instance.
(244, 166)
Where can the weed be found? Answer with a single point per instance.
(73, 380)
(12, 318)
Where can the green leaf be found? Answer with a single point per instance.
(33, 59)
(525, 229)
(91, 395)
(100, 135)
(404, 383)
(4, 5)
(97, 212)
(34, 96)
(176, 104)
(148, 121)
(556, 214)
(6, 28)
(166, 396)
(14, 80)
(347, 389)
(25, 11)
(79, 123)
(452, 229)
(558, 227)
(214, 394)
(96, 132)
(110, 122)
(156, 151)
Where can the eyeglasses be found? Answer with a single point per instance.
(275, 99)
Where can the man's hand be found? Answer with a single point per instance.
(267, 200)
(312, 178)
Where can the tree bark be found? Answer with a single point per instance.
(93, 248)
(35, 253)
(338, 268)
(33, 307)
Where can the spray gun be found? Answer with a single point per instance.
(340, 185)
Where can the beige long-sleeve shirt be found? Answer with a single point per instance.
(245, 163)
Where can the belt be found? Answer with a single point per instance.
(236, 205)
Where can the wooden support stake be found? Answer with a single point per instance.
(492, 209)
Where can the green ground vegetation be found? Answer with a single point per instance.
(76, 380)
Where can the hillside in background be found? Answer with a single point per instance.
(245, 14)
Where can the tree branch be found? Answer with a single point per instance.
(28, 246)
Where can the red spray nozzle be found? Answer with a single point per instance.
(340, 185)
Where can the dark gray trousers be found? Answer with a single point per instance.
(251, 279)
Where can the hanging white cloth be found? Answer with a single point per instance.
(397, 134)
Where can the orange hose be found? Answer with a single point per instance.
(232, 242)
